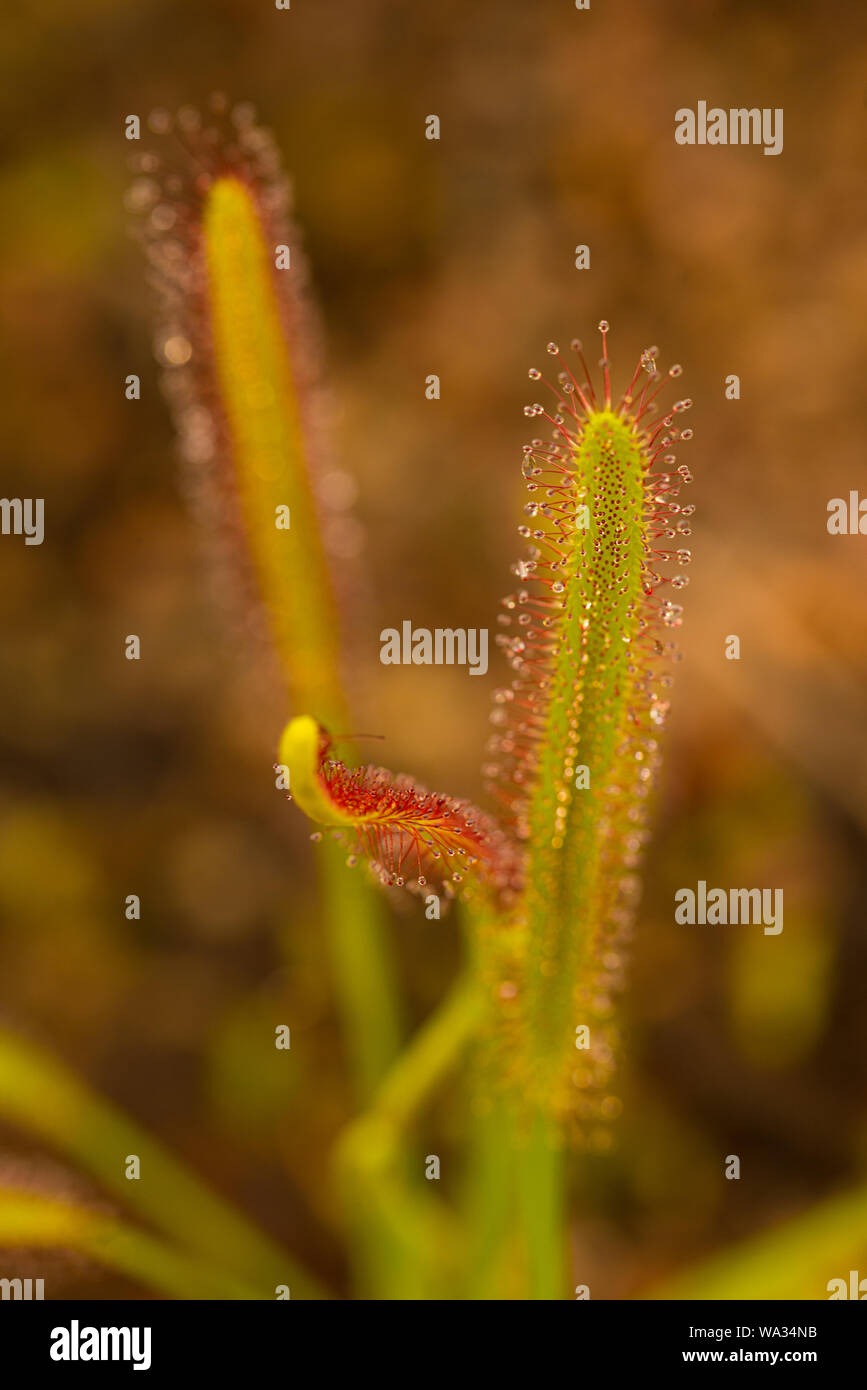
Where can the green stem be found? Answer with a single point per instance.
(488, 1205)
(363, 971)
(539, 1172)
(432, 1052)
(407, 1239)
(514, 1206)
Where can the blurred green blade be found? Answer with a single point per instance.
(794, 1260)
(46, 1099)
(29, 1220)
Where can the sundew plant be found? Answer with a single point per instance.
(546, 879)
(543, 878)
(515, 1069)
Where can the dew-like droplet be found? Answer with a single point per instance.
(658, 711)
(671, 614)
(189, 119)
(160, 121)
(177, 350)
(244, 114)
(163, 217)
(140, 195)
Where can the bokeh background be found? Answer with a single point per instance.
(452, 257)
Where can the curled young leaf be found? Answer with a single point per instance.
(422, 840)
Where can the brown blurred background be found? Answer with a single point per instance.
(452, 257)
